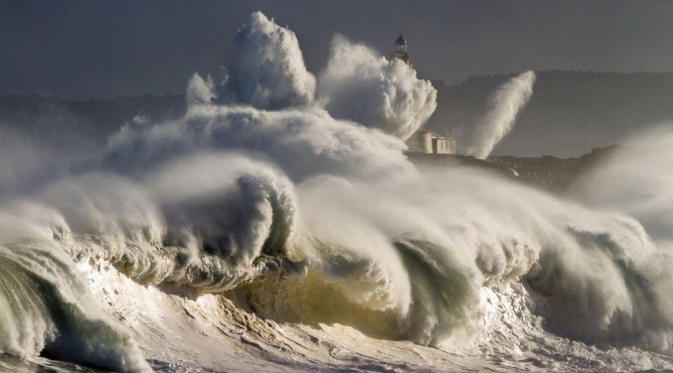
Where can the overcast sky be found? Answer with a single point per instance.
(92, 48)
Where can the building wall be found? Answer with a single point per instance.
(441, 146)
(451, 146)
(420, 142)
(424, 142)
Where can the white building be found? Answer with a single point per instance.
(429, 142)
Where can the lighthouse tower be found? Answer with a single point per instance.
(401, 51)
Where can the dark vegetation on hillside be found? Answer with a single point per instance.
(548, 173)
(569, 114)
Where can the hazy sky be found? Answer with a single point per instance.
(96, 48)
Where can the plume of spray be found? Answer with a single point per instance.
(360, 85)
(269, 70)
(199, 91)
(504, 106)
(636, 180)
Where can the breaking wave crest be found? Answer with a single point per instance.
(47, 310)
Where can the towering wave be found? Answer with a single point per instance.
(269, 70)
(263, 210)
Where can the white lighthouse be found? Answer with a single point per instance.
(401, 51)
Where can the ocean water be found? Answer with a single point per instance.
(278, 226)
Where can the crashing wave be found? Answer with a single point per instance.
(262, 222)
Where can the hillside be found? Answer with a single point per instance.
(569, 114)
